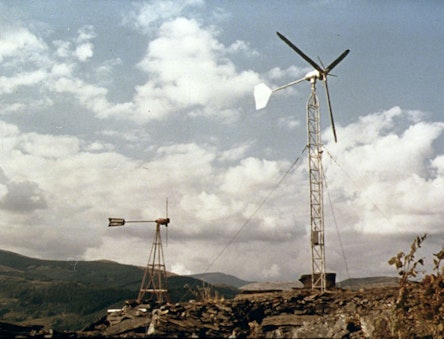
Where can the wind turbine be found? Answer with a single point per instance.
(154, 279)
(262, 94)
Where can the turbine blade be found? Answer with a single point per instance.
(302, 54)
(330, 110)
(336, 62)
(262, 94)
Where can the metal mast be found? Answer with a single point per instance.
(154, 280)
(262, 94)
(318, 280)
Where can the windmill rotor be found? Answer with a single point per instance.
(321, 74)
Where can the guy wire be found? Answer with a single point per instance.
(284, 176)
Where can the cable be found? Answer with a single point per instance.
(253, 214)
(337, 228)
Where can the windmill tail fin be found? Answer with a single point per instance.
(262, 94)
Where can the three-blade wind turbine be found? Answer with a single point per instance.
(262, 94)
(154, 279)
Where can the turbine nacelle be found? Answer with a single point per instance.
(313, 75)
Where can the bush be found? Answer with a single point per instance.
(419, 307)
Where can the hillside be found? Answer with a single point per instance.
(218, 278)
(66, 295)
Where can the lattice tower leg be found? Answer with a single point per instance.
(154, 281)
(316, 191)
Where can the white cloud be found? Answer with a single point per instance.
(235, 153)
(197, 73)
(295, 72)
(43, 146)
(242, 46)
(63, 48)
(214, 203)
(10, 84)
(86, 33)
(161, 10)
(180, 269)
(61, 189)
(271, 273)
(84, 51)
(250, 175)
(392, 175)
(19, 41)
(188, 70)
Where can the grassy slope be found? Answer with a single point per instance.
(67, 295)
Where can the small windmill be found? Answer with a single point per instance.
(154, 280)
(262, 94)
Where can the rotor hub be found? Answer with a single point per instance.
(314, 75)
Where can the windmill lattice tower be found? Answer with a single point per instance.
(262, 94)
(154, 280)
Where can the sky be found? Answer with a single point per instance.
(108, 108)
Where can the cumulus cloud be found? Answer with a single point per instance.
(385, 165)
(146, 15)
(189, 69)
(19, 41)
(214, 205)
(22, 197)
(84, 49)
(186, 69)
(385, 176)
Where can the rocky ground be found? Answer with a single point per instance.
(297, 313)
(294, 313)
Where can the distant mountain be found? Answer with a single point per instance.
(67, 295)
(218, 278)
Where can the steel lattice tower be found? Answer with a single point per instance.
(316, 190)
(261, 95)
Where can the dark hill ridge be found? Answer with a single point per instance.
(89, 272)
(67, 295)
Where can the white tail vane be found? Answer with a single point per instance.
(262, 94)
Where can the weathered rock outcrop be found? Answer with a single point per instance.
(286, 314)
